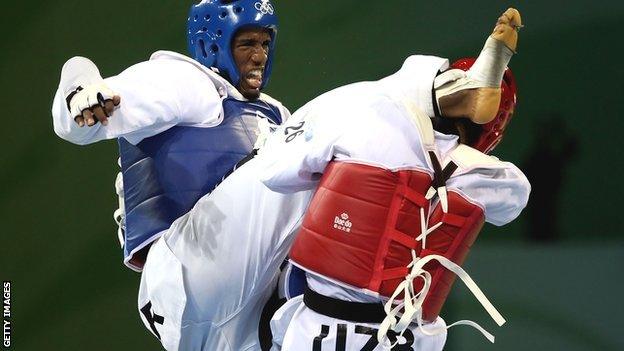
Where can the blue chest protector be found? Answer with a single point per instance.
(164, 175)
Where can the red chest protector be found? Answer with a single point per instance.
(364, 221)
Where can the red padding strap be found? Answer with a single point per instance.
(453, 220)
(394, 273)
(404, 239)
(413, 196)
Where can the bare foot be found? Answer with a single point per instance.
(507, 27)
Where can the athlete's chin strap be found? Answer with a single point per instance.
(410, 307)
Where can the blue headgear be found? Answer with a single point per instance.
(212, 25)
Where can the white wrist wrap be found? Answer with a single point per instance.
(486, 72)
(90, 96)
(491, 63)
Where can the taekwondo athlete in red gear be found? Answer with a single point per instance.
(399, 204)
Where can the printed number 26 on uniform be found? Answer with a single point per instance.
(294, 131)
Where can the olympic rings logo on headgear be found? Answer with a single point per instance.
(265, 7)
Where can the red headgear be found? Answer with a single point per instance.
(492, 132)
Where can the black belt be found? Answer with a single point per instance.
(358, 312)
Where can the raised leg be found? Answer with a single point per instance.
(475, 94)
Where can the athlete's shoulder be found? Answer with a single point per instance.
(284, 111)
(184, 62)
(499, 187)
(165, 55)
(270, 100)
(424, 63)
(472, 161)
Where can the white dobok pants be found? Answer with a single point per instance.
(208, 277)
(296, 327)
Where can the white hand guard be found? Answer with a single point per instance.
(83, 86)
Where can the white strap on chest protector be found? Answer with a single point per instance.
(410, 308)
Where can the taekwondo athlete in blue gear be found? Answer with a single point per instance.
(166, 172)
(212, 25)
(177, 167)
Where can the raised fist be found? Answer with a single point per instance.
(88, 98)
(92, 104)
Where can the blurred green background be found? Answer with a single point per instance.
(555, 273)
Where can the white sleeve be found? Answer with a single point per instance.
(297, 152)
(352, 122)
(503, 192)
(155, 95)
